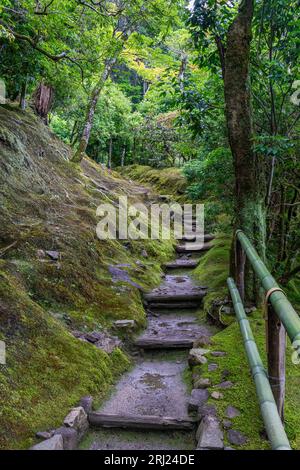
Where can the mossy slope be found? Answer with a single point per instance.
(46, 203)
(167, 181)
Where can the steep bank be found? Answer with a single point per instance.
(56, 277)
(166, 181)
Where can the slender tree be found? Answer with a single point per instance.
(249, 169)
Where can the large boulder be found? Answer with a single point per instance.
(209, 434)
(54, 443)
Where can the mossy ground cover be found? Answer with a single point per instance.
(46, 203)
(166, 181)
(213, 271)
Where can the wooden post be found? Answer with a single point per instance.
(276, 346)
(240, 261)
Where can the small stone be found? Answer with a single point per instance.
(227, 424)
(212, 367)
(202, 383)
(201, 342)
(225, 374)
(87, 403)
(209, 434)
(54, 255)
(218, 353)
(145, 254)
(232, 412)
(198, 398)
(236, 437)
(227, 310)
(217, 395)
(40, 254)
(93, 337)
(196, 357)
(225, 385)
(44, 435)
(124, 324)
(77, 419)
(54, 443)
(70, 437)
(207, 410)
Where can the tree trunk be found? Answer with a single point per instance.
(85, 137)
(123, 156)
(249, 171)
(23, 95)
(182, 71)
(43, 98)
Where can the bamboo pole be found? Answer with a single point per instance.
(282, 307)
(270, 415)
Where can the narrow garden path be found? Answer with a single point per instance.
(150, 407)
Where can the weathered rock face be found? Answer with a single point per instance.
(78, 420)
(54, 443)
(209, 434)
(198, 398)
(197, 356)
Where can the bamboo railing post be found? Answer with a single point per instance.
(276, 347)
(240, 261)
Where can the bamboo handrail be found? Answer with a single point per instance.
(269, 411)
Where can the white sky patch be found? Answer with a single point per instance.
(191, 5)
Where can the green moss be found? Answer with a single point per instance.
(47, 369)
(213, 269)
(167, 181)
(243, 394)
(46, 203)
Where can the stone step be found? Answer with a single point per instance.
(182, 263)
(180, 297)
(173, 305)
(165, 343)
(192, 248)
(97, 419)
(191, 237)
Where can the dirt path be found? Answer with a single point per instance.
(157, 386)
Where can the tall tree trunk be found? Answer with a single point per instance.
(249, 171)
(43, 98)
(23, 95)
(85, 137)
(182, 71)
(123, 156)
